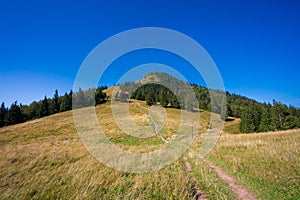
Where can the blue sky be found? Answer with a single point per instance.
(255, 44)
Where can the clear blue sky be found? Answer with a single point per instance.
(255, 44)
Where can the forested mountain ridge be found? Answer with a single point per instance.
(160, 87)
(255, 116)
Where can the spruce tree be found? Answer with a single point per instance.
(63, 103)
(79, 99)
(139, 95)
(150, 96)
(69, 100)
(14, 114)
(229, 112)
(265, 119)
(163, 100)
(44, 110)
(3, 113)
(174, 101)
(280, 113)
(100, 96)
(35, 109)
(247, 122)
(55, 104)
(148, 99)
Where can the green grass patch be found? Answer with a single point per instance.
(209, 182)
(267, 164)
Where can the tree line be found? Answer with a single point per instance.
(153, 93)
(18, 113)
(255, 116)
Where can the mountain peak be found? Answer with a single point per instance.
(159, 78)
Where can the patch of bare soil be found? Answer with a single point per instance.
(240, 191)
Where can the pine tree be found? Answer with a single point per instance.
(256, 115)
(296, 113)
(14, 114)
(174, 102)
(150, 96)
(44, 110)
(247, 124)
(66, 102)
(290, 122)
(148, 99)
(250, 118)
(55, 104)
(280, 113)
(229, 112)
(79, 99)
(298, 117)
(100, 96)
(265, 119)
(35, 109)
(3, 113)
(163, 100)
(69, 100)
(138, 95)
(63, 103)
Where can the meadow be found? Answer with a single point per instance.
(268, 164)
(45, 159)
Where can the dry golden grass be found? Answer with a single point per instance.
(232, 127)
(109, 91)
(267, 163)
(45, 158)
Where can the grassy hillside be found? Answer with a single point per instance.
(268, 164)
(45, 159)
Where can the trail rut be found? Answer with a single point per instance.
(240, 191)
